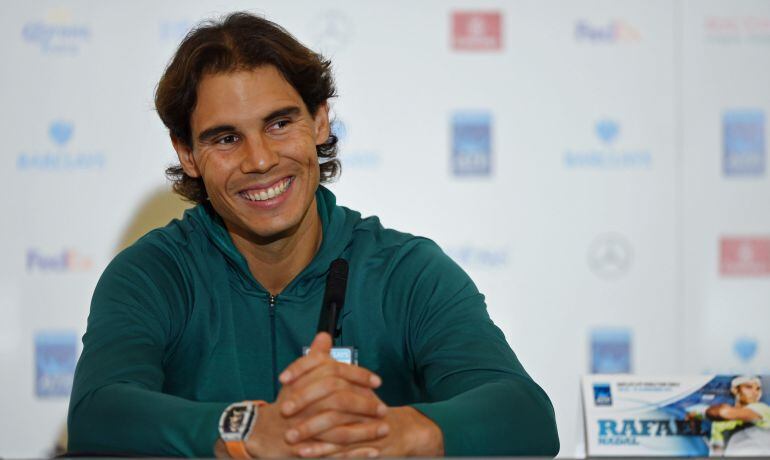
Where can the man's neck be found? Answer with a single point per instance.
(274, 264)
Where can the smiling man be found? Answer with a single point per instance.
(195, 338)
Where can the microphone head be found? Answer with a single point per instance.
(336, 283)
(334, 297)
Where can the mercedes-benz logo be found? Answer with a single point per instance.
(610, 256)
(331, 30)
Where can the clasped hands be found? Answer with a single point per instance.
(327, 408)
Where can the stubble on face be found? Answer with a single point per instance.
(252, 130)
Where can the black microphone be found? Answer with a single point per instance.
(334, 298)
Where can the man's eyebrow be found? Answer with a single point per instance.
(210, 133)
(291, 110)
(213, 132)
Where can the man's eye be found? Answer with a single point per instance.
(279, 125)
(229, 139)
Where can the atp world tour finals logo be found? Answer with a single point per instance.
(472, 144)
(55, 360)
(744, 142)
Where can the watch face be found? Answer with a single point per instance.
(236, 421)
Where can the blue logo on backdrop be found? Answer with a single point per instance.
(607, 156)
(56, 34)
(611, 351)
(60, 133)
(354, 158)
(472, 144)
(607, 130)
(473, 257)
(744, 142)
(602, 394)
(339, 129)
(745, 348)
(55, 359)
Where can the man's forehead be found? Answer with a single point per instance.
(243, 94)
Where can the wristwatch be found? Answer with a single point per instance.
(235, 426)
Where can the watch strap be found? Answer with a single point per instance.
(237, 449)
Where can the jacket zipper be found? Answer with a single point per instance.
(271, 309)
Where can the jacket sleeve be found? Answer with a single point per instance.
(117, 405)
(476, 390)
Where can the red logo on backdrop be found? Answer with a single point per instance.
(476, 31)
(744, 256)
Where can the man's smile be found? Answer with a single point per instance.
(270, 192)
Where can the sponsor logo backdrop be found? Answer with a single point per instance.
(599, 169)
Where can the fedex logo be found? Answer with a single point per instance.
(67, 260)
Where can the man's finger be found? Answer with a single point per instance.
(319, 423)
(356, 433)
(354, 374)
(359, 452)
(316, 449)
(319, 353)
(333, 393)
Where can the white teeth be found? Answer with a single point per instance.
(270, 193)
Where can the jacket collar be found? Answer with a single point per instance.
(337, 224)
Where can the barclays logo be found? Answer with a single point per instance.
(357, 159)
(607, 130)
(60, 133)
(65, 261)
(745, 348)
(607, 156)
(56, 34)
(612, 32)
(478, 257)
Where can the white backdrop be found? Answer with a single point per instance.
(598, 167)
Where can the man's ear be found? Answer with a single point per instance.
(321, 120)
(186, 159)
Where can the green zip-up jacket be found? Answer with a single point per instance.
(179, 329)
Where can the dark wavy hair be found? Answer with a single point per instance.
(240, 41)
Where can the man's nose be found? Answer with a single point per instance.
(258, 156)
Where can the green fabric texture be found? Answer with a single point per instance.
(179, 329)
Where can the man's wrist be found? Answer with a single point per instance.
(427, 439)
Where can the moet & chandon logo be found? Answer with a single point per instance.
(477, 31)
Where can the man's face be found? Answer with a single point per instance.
(254, 146)
(748, 393)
